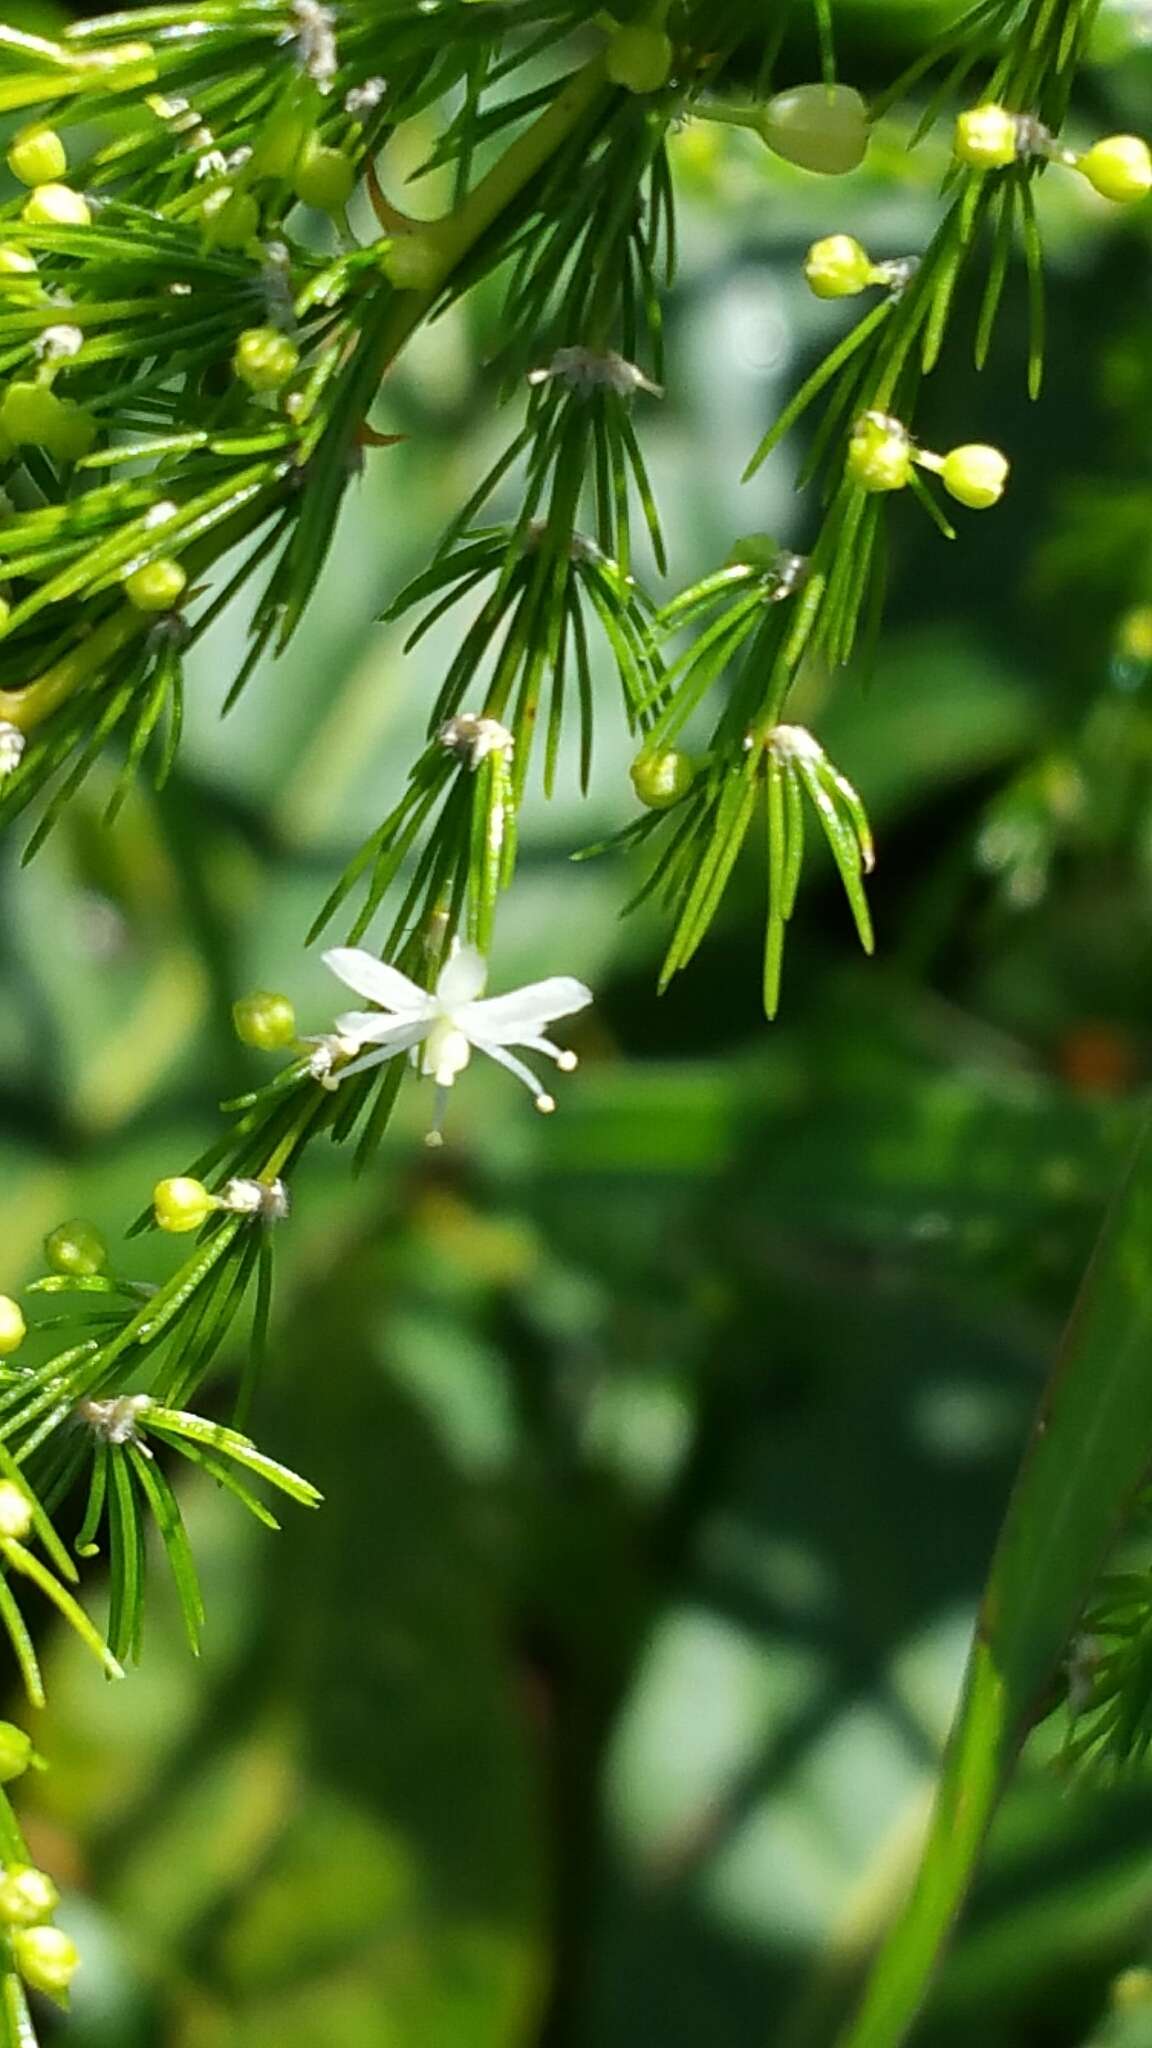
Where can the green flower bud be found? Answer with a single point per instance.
(46, 1958)
(819, 127)
(265, 1021)
(37, 156)
(16, 263)
(157, 586)
(182, 1204)
(411, 262)
(837, 267)
(15, 1512)
(324, 177)
(232, 218)
(76, 1248)
(56, 206)
(660, 780)
(265, 359)
(73, 431)
(30, 414)
(13, 1328)
(879, 454)
(975, 474)
(754, 551)
(1131, 1991)
(16, 1752)
(285, 133)
(639, 58)
(986, 137)
(28, 1896)
(1119, 167)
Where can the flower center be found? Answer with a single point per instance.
(446, 1052)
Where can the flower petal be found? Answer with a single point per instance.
(370, 977)
(517, 1067)
(462, 977)
(514, 1018)
(378, 1027)
(409, 1036)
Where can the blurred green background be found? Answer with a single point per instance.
(664, 1443)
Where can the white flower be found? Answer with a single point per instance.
(442, 1028)
(586, 369)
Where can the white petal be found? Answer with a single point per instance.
(514, 1066)
(462, 977)
(411, 1035)
(376, 1027)
(370, 977)
(515, 1018)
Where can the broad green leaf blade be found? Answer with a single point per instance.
(1087, 1459)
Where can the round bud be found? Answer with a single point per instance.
(157, 586)
(232, 218)
(27, 1896)
(46, 1958)
(660, 780)
(1118, 168)
(13, 1328)
(411, 262)
(29, 414)
(754, 551)
(975, 474)
(986, 138)
(819, 127)
(324, 177)
(284, 134)
(16, 1752)
(37, 156)
(879, 454)
(837, 267)
(1131, 1991)
(56, 206)
(15, 1512)
(639, 58)
(16, 263)
(76, 1248)
(72, 433)
(265, 359)
(265, 1021)
(182, 1204)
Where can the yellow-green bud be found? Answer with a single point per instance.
(56, 206)
(284, 135)
(265, 1021)
(879, 454)
(986, 137)
(819, 127)
(182, 1204)
(1131, 1991)
(232, 218)
(46, 1958)
(27, 1896)
(411, 262)
(324, 177)
(29, 414)
(837, 267)
(15, 1512)
(37, 156)
(156, 586)
(13, 1328)
(660, 780)
(16, 1752)
(73, 431)
(975, 474)
(1119, 167)
(76, 1248)
(16, 263)
(265, 359)
(639, 58)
